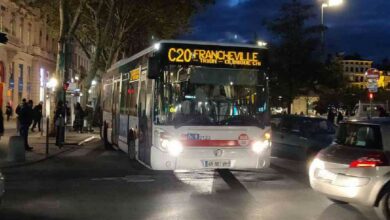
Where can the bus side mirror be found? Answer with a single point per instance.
(154, 65)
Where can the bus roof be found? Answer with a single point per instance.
(153, 48)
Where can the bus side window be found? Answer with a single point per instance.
(132, 98)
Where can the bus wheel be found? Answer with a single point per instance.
(131, 148)
(107, 145)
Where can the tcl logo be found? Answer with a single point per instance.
(243, 140)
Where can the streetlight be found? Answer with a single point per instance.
(261, 43)
(326, 4)
(52, 83)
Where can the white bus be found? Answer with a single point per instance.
(190, 105)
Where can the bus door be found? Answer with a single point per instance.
(115, 111)
(144, 120)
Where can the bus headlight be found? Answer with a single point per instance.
(260, 146)
(174, 147)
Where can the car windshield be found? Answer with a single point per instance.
(359, 135)
(210, 96)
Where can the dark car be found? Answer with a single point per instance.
(299, 137)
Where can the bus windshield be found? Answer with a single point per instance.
(196, 95)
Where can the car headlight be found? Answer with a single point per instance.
(260, 146)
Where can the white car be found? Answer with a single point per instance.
(356, 168)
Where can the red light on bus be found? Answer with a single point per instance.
(130, 91)
(371, 95)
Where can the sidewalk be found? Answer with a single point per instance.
(38, 142)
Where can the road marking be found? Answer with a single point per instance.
(86, 140)
(78, 153)
(233, 182)
(128, 179)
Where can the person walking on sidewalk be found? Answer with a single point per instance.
(37, 116)
(17, 111)
(25, 118)
(8, 110)
(79, 118)
(89, 116)
(59, 120)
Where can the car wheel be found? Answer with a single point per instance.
(384, 204)
(337, 201)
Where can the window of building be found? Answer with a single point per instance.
(40, 37)
(361, 79)
(2, 10)
(47, 43)
(20, 82)
(356, 79)
(13, 26)
(21, 29)
(29, 34)
(361, 69)
(346, 69)
(28, 83)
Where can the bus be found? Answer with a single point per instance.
(182, 105)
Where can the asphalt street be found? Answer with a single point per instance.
(91, 183)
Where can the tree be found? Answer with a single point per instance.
(126, 26)
(295, 58)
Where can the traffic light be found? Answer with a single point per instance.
(3, 38)
(66, 86)
(371, 96)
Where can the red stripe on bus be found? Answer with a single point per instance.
(211, 143)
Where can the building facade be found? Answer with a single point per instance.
(354, 71)
(29, 57)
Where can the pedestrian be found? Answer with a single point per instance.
(8, 110)
(25, 118)
(382, 112)
(67, 109)
(89, 115)
(79, 118)
(59, 121)
(37, 116)
(17, 111)
(331, 115)
(340, 117)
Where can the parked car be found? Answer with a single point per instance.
(2, 190)
(300, 137)
(356, 168)
(362, 110)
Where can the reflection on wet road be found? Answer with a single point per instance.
(106, 186)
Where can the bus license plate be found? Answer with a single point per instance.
(216, 163)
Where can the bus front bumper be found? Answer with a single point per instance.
(210, 158)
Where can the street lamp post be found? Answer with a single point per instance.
(326, 4)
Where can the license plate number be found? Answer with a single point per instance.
(216, 163)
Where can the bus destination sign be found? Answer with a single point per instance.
(214, 56)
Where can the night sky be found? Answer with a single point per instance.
(361, 26)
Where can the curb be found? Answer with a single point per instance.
(76, 146)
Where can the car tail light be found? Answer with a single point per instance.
(373, 160)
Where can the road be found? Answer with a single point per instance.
(91, 183)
